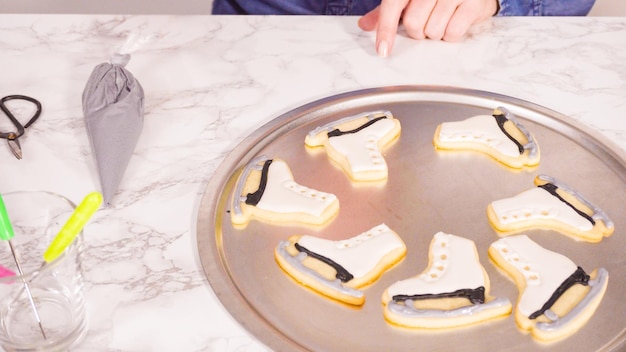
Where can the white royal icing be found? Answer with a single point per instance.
(283, 195)
(537, 203)
(359, 254)
(454, 266)
(543, 270)
(361, 148)
(480, 128)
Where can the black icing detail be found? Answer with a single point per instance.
(578, 277)
(551, 188)
(501, 120)
(336, 132)
(476, 296)
(342, 273)
(255, 198)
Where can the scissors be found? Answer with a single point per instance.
(12, 137)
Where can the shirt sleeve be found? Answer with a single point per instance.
(544, 7)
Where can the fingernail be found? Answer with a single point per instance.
(383, 48)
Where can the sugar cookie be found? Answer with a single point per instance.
(499, 135)
(337, 269)
(551, 205)
(453, 291)
(556, 297)
(266, 191)
(355, 143)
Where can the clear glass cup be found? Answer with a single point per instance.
(44, 308)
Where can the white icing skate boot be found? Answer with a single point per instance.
(551, 205)
(274, 196)
(355, 143)
(544, 278)
(451, 292)
(499, 135)
(338, 268)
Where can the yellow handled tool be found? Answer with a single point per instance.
(73, 226)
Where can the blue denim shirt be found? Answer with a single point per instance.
(361, 7)
(545, 7)
(293, 7)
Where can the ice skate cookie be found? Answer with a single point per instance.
(453, 291)
(500, 136)
(556, 297)
(266, 191)
(355, 143)
(337, 269)
(551, 205)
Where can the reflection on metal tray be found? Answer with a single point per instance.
(427, 191)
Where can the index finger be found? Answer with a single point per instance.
(388, 20)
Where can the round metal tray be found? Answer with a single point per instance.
(427, 191)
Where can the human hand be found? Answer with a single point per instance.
(435, 19)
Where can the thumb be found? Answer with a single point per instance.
(369, 21)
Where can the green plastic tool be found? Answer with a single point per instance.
(6, 230)
(73, 226)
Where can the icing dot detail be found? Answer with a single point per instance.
(522, 265)
(305, 191)
(441, 251)
(354, 241)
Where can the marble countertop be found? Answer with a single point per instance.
(209, 82)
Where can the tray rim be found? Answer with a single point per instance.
(216, 271)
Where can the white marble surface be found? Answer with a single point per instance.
(209, 82)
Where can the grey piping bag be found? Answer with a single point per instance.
(113, 107)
